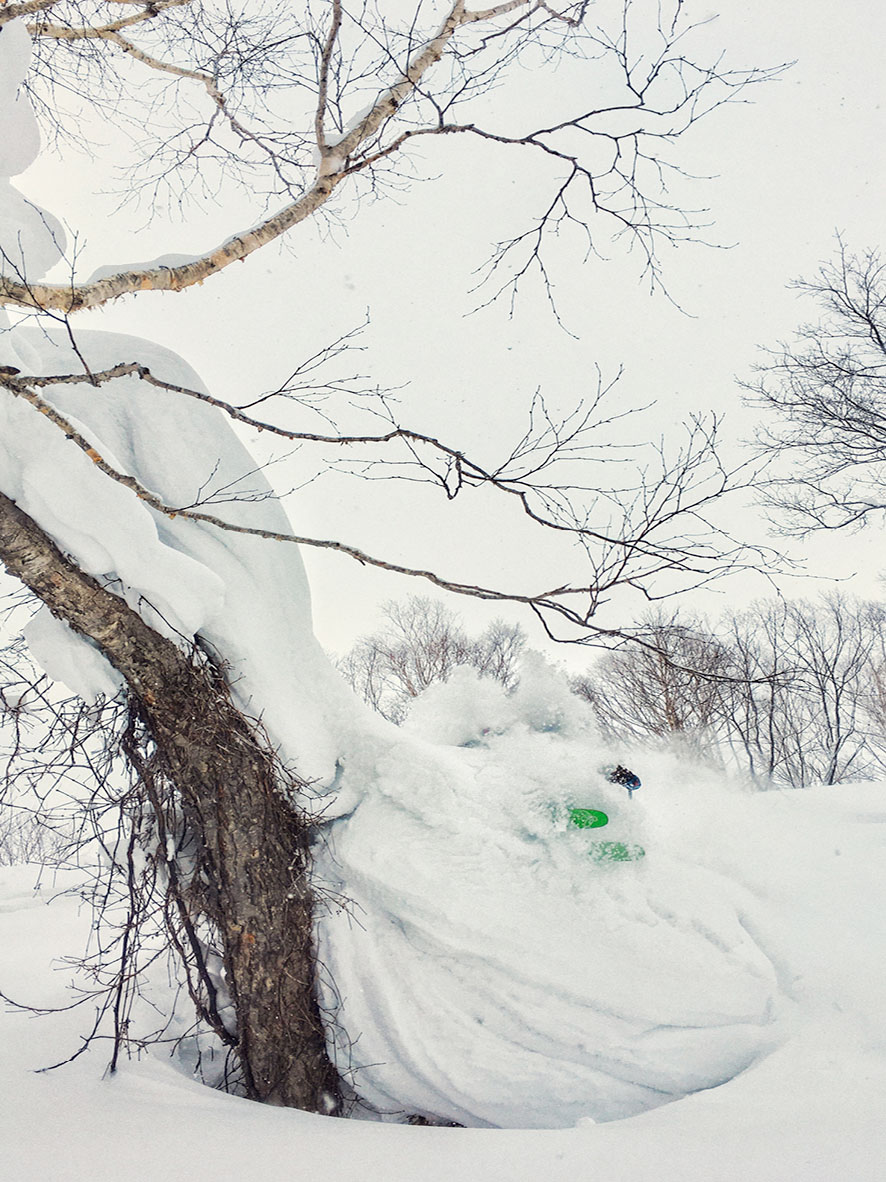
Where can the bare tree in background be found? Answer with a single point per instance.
(758, 712)
(798, 702)
(825, 397)
(876, 695)
(825, 394)
(311, 110)
(666, 687)
(789, 692)
(421, 643)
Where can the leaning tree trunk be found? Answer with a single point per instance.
(255, 842)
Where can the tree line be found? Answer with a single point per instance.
(790, 693)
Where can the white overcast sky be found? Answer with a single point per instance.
(803, 160)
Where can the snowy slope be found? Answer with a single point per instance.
(561, 991)
(812, 1110)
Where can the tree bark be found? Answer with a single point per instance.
(255, 840)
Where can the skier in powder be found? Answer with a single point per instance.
(625, 777)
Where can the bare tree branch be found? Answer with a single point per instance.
(646, 540)
(826, 395)
(11, 12)
(626, 186)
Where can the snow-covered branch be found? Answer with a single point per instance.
(645, 532)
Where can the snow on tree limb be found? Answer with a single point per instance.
(70, 298)
(652, 538)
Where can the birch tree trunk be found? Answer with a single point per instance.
(255, 841)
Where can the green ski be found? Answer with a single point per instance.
(616, 851)
(588, 818)
(604, 851)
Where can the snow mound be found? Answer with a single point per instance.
(31, 240)
(247, 598)
(20, 143)
(491, 969)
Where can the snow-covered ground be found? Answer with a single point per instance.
(806, 867)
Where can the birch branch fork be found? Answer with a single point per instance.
(73, 297)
